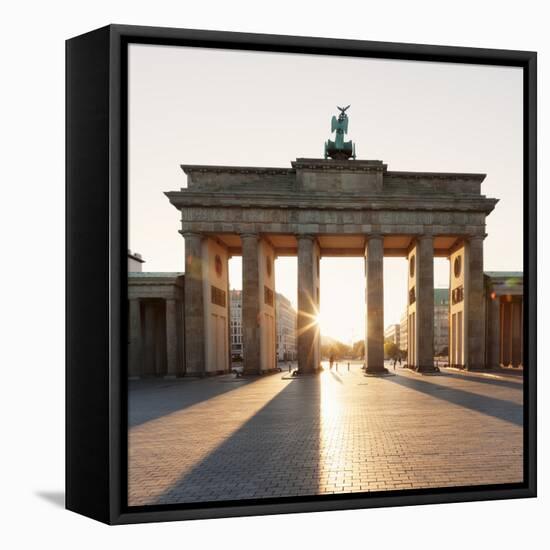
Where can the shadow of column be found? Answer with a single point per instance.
(484, 404)
(276, 453)
(144, 403)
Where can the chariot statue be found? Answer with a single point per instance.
(340, 149)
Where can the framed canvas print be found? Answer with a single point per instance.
(301, 274)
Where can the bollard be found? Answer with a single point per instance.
(348, 366)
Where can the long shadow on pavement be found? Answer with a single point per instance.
(516, 385)
(491, 406)
(143, 395)
(261, 458)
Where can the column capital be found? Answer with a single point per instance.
(249, 235)
(308, 236)
(371, 236)
(476, 237)
(425, 237)
(192, 234)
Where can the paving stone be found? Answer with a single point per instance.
(203, 440)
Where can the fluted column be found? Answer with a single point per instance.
(475, 307)
(425, 303)
(171, 340)
(251, 304)
(194, 305)
(494, 332)
(374, 272)
(135, 359)
(307, 327)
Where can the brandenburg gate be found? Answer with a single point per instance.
(334, 206)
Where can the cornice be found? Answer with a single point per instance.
(321, 201)
(339, 165)
(329, 166)
(207, 169)
(436, 176)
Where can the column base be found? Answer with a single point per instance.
(195, 374)
(303, 372)
(376, 371)
(250, 373)
(427, 369)
(476, 367)
(260, 372)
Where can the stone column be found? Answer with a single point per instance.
(149, 356)
(474, 306)
(425, 303)
(494, 332)
(516, 332)
(135, 359)
(251, 304)
(180, 316)
(160, 341)
(374, 341)
(307, 310)
(171, 339)
(194, 305)
(506, 331)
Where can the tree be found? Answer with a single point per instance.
(391, 351)
(358, 349)
(336, 349)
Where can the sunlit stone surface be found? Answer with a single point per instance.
(222, 438)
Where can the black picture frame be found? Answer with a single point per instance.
(96, 237)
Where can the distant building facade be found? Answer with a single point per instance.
(441, 321)
(236, 324)
(286, 329)
(403, 331)
(285, 316)
(392, 333)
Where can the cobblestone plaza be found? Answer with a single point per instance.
(226, 438)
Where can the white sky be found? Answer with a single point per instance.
(198, 106)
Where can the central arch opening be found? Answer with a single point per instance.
(342, 311)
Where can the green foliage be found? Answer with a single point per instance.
(391, 351)
(338, 350)
(358, 350)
